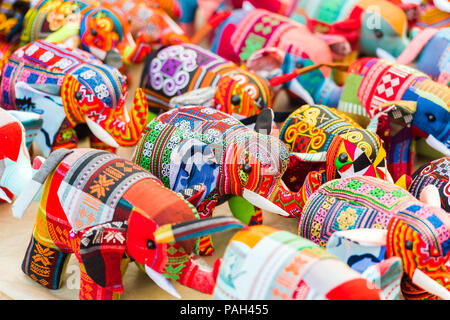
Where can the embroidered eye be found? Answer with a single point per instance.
(431, 117)
(343, 158)
(378, 33)
(247, 168)
(78, 95)
(235, 99)
(299, 64)
(408, 245)
(151, 244)
(94, 32)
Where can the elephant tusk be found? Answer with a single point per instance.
(425, 282)
(438, 145)
(101, 133)
(261, 202)
(162, 282)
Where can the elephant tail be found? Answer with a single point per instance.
(34, 185)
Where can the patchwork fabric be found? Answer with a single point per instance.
(178, 69)
(350, 203)
(437, 173)
(91, 190)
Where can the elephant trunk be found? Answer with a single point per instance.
(199, 276)
(122, 128)
(277, 199)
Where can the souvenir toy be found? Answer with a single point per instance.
(15, 163)
(416, 231)
(326, 144)
(437, 173)
(150, 26)
(402, 103)
(265, 263)
(103, 209)
(183, 69)
(430, 50)
(191, 145)
(370, 26)
(68, 87)
(96, 28)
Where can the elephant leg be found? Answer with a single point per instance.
(65, 138)
(245, 211)
(44, 264)
(96, 143)
(89, 290)
(204, 245)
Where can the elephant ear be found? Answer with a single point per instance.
(102, 249)
(359, 248)
(364, 250)
(46, 101)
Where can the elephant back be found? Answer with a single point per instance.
(40, 21)
(437, 173)
(89, 185)
(185, 146)
(177, 69)
(350, 203)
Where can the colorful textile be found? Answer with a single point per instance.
(437, 173)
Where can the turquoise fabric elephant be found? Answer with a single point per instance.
(371, 26)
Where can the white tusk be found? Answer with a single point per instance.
(383, 54)
(101, 133)
(430, 285)
(437, 145)
(261, 202)
(162, 282)
(430, 195)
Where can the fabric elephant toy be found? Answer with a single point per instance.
(437, 173)
(17, 130)
(150, 25)
(326, 144)
(84, 24)
(69, 87)
(370, 26)
(430, 48)
(192, 145)
(203, 78)
(402, 103)
(99, 207)
(265, 263)
(416, 231)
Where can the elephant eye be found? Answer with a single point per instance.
(431, 117)
(151, 244)
(299, 64)
(378, 33)
(408, 245)
(343, 158)
(78, 95)
(94, 32)
(247, 168)
(235, 99)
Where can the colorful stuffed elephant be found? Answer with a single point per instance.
(17, 130)
(430, 48)
(265, 263)
(150, 25)
(368, 25)
(78, 23)
(437, 173)
(417, 232)
(99, 207)
(402, 103)
(183, 69)
(192, 145)
(325, 144)
(68, 87)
